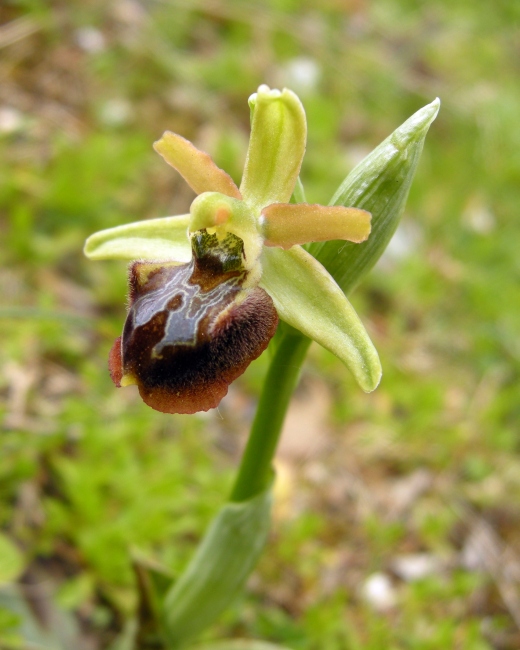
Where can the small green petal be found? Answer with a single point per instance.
(379, 184)
(287, 224)
(153, 239)
(308, 299)
(276, 147)
(195, 166)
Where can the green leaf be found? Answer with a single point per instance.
(380, 185)
(276, 147)
(308, 299)
(152, 239)
(219, 569)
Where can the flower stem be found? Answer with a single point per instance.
(255, 469)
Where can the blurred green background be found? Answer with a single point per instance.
(397, 519)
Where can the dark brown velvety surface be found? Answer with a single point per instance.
(190, 331)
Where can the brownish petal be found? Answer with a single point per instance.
(288, 224)
(195, 166)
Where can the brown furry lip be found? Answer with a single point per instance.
(191, 330)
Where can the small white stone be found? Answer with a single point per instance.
(302, 73)
(90, 39)
(416, 566)
(11, 119)
(116, 112)
(379, 592)
(479, 217)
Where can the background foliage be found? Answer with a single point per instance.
(397, 522)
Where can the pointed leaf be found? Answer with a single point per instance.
(195, 166)
(276, 147)
(152, 239)
(307, 298)
(219, 569)
(379, 184)
(287, 224)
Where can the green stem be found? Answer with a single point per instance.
(255, 469)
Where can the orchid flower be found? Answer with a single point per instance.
(208, 288)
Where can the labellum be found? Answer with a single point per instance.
(192, 328)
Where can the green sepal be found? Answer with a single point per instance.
(153, 239)
(380, 185)
(306, 297)
(219, 569)
(276, 147)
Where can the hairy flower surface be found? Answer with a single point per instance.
(207, 288)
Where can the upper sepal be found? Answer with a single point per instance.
(276, 147)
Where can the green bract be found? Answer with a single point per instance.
(380, 184)
(267, 233)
